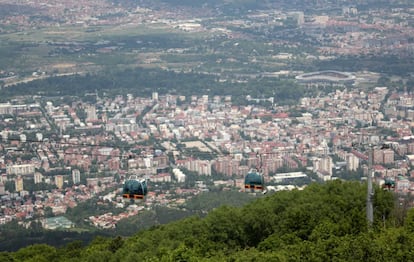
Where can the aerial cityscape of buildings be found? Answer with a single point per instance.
(66, 146)
(57, 152)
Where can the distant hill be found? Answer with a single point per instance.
(255, 5)
(201, 3)
(321, 223)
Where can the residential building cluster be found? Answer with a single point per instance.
(77, 153)
(58, 152)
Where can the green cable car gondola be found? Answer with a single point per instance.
(389, 183)
(254, 182)
(134, 188)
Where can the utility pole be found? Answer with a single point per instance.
(370, 192)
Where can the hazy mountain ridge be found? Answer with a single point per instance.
(255, 5)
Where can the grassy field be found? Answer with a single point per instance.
(68, 49)
(78, 49)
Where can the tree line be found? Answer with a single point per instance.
(142, 82)
(320, 223)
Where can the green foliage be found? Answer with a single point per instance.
(321, 223)
(205, 202)
(143, 220)
(98, 250)
(409, 224)
(36, 253)
(13, 237)
(6, 257)
(30, 186)
(388, 64)
(146, 219)
(143, 82)
(10, 186)
(73, 250)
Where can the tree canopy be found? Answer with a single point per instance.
(320, 223)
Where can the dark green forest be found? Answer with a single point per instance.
(320, 223)
(142, 82)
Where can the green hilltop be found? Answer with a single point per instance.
(320, 223)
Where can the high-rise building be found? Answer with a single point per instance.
(148, 161)
(226, 166)
(59, 181)
(324, 165)
(2, 189)
(6, 109)
(377, 156)
(179, 175)
(204, 99)
(39, 136)
(382, 156)
(327, 165)
(410, 148)
(91, 113)
(352, 162)
(38, 178)
(3, 178)
(300, 18)
(76, 176)
(388, 156)
(49, 107)
(4, 135)
(18, 182)
(155, 96)
(25, 169)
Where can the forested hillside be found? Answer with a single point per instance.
(321, 223)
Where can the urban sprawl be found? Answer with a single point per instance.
(57, 152)
(318, 138)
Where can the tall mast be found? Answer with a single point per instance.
(370, 193)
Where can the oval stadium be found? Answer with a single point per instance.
(328, 76)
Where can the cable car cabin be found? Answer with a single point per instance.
(389, 184)
(134, 188)
(254, 182)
